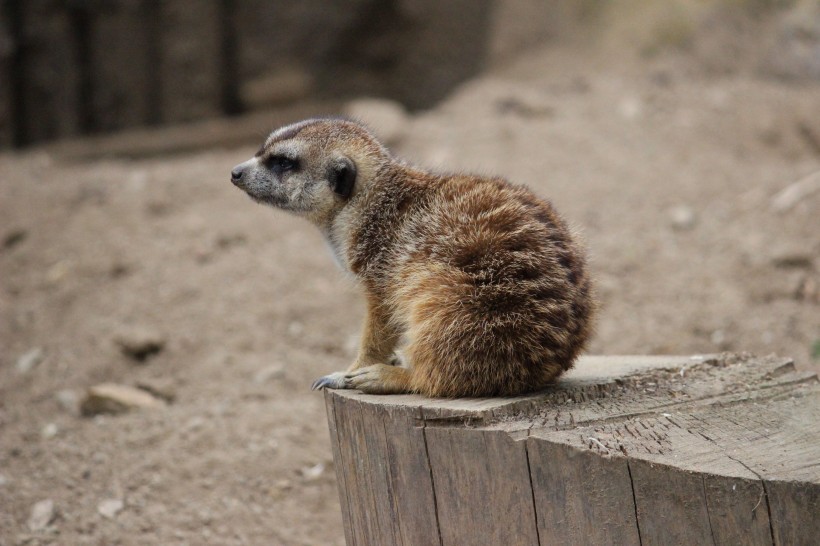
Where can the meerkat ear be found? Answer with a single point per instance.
(342, 177)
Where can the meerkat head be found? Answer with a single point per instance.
(312, 168)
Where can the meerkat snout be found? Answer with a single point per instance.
(482, 280)
(236, 174)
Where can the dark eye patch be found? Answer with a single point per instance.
(282, 163)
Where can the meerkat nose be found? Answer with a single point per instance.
(236, 174)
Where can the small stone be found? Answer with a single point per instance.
(140, 343)
(793, 260)
(29, 360)
(387, 118)
(796, 192)
(276, 371)
(57, 272)
(49, 431)
(682, 218)
(113, 399)
(109, 508)
(312, 473)
(3, 480)
(68, 400)
(42, 514)
(14, 238)
(164, 390)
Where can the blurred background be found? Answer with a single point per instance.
(73, 67)
(680, 138)
(93, 66)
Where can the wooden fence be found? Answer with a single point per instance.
(88, 66)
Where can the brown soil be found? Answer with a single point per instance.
(668, 170)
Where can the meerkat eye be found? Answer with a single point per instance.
(282, 163)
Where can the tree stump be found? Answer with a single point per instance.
(622, 450)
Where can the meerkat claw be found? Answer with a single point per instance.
(336, 380)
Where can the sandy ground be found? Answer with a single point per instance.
(668, 172)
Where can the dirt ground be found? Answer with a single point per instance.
(668, 170)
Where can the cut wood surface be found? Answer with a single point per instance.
(721, 449)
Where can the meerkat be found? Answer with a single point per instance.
(482, 281)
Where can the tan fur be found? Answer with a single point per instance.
(481, 277)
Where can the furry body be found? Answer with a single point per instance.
(482, 279)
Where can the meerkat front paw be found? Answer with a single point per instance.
(376, 379)
(379, 379)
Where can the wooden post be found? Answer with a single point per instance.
(622, 450)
